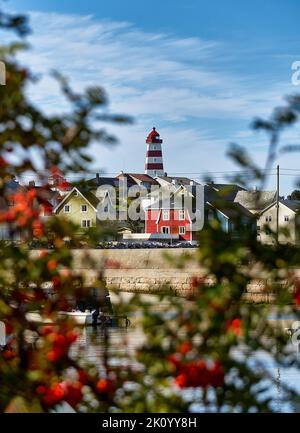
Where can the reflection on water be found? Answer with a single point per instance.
(118, 343)
(123, 342)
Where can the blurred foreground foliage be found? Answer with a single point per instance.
(197, 354)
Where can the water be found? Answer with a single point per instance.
(123, 343)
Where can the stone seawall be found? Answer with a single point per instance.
(149, 271)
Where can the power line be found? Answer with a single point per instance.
(225, 174)
(169, 173)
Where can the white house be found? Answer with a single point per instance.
(288, 220)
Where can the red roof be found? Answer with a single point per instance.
(57, 179)
(153, 137)
(64, 186)
(55, 171)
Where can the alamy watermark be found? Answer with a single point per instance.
(136, 203)
(295, 78)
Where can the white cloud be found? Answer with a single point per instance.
(144, 73)
(176, 83)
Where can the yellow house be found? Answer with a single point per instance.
(80, 207)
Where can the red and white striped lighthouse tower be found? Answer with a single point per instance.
(154, 162)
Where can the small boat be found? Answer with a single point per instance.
(82, 318)
(89, 318)
(35, 317)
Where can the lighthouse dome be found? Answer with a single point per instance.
(153, 137)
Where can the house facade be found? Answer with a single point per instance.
(288, 222)
(174, 223)
(80, 207)
(170, 212)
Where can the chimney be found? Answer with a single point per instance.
(192, 182)
(174, 181)
(98, 178)
(255, 188)
(31, 183)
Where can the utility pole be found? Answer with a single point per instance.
(277, 203)
(171, 225)
(2, 74)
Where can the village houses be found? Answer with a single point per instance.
(169, 221)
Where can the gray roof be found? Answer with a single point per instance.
(255, 200)
(292, 204)
(99, 181)
(232, 210)
(140, 177)
(12, 187)
(88, 195)
(222, 191)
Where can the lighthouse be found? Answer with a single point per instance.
(154, 162)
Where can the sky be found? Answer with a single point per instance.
(198, 71)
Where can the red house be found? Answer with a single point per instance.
(171, 223)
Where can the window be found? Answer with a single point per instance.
(181, 215)
(166, 215)
(86, 223)
(67, 208)
(181, 230)
(165, 230)
(286, 218)
(268, 218)
(83, 208)
(75, 193)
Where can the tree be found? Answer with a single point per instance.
(295, 195)
(37, 377)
